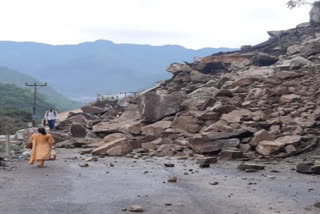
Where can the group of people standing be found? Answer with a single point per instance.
(42, 142)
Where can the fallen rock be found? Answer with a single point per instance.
(230, 154)
(206, 161)
(149, 146)
(289, 98)
(122, 148)
(156, 129)
(246, 166)
(260, 136)
(90, 109)
(83, 164)
(136, 208)
(173, 179)
(168, 164)
(78, 130)
(299, 62)
(208, 146)
(112, 127)
(317, 205)
(235, 116)
(189, 124)
(244, 82)
(155, 106)
(178, 67)
(112, 137)
(269, 147)
(308, 168)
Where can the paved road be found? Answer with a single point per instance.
(65, 188)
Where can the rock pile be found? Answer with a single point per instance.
(262, 101)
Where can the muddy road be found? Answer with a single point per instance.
(112, 184)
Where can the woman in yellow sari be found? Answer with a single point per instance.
(41, 147)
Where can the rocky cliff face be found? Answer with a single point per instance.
(262, 101)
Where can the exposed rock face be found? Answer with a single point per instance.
(155, 106)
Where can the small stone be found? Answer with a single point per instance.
(317, 205)
(173, 179)
(83, 164)
(205, 162)
(135, 208)
(214, 183)
(91, 159)
(249, 167)
(168, 204)
(169, 165)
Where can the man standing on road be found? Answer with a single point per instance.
(51, 116)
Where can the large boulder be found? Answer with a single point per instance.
(156, 129)
(299, 62)
(115, 148)
(78, 130)
(235, 116)
(208, 146)
(112, 127)
(59, 136)
(178, 67)
(131, 113)
(154, 106)
(187, 123)
(91, 109)
(261, 135)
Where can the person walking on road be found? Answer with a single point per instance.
(41, 147)
(51, 116)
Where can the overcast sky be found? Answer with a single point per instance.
(190, 23)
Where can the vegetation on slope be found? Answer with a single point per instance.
(16, 108)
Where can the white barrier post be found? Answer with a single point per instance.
(7, 145)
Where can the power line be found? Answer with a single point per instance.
(35, 87)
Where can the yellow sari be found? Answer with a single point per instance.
(41, 147)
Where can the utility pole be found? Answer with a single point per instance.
(35, 87)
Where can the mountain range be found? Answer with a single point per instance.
(82, 71)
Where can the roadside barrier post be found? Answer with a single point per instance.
(7, 145)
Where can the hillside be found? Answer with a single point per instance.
(9, 76)
(80, 71)
(16, 107)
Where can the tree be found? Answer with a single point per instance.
(297, 3)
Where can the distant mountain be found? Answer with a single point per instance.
(83, 70)
(9, 76)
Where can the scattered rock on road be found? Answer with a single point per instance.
(250, 167)
(173, 179)
(308, 168)
(83, 164)
(136, 208)
(168, 164)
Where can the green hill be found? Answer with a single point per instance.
(9, 76)
(16, 108)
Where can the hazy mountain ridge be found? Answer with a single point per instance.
(9, 76)
(96, 67)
